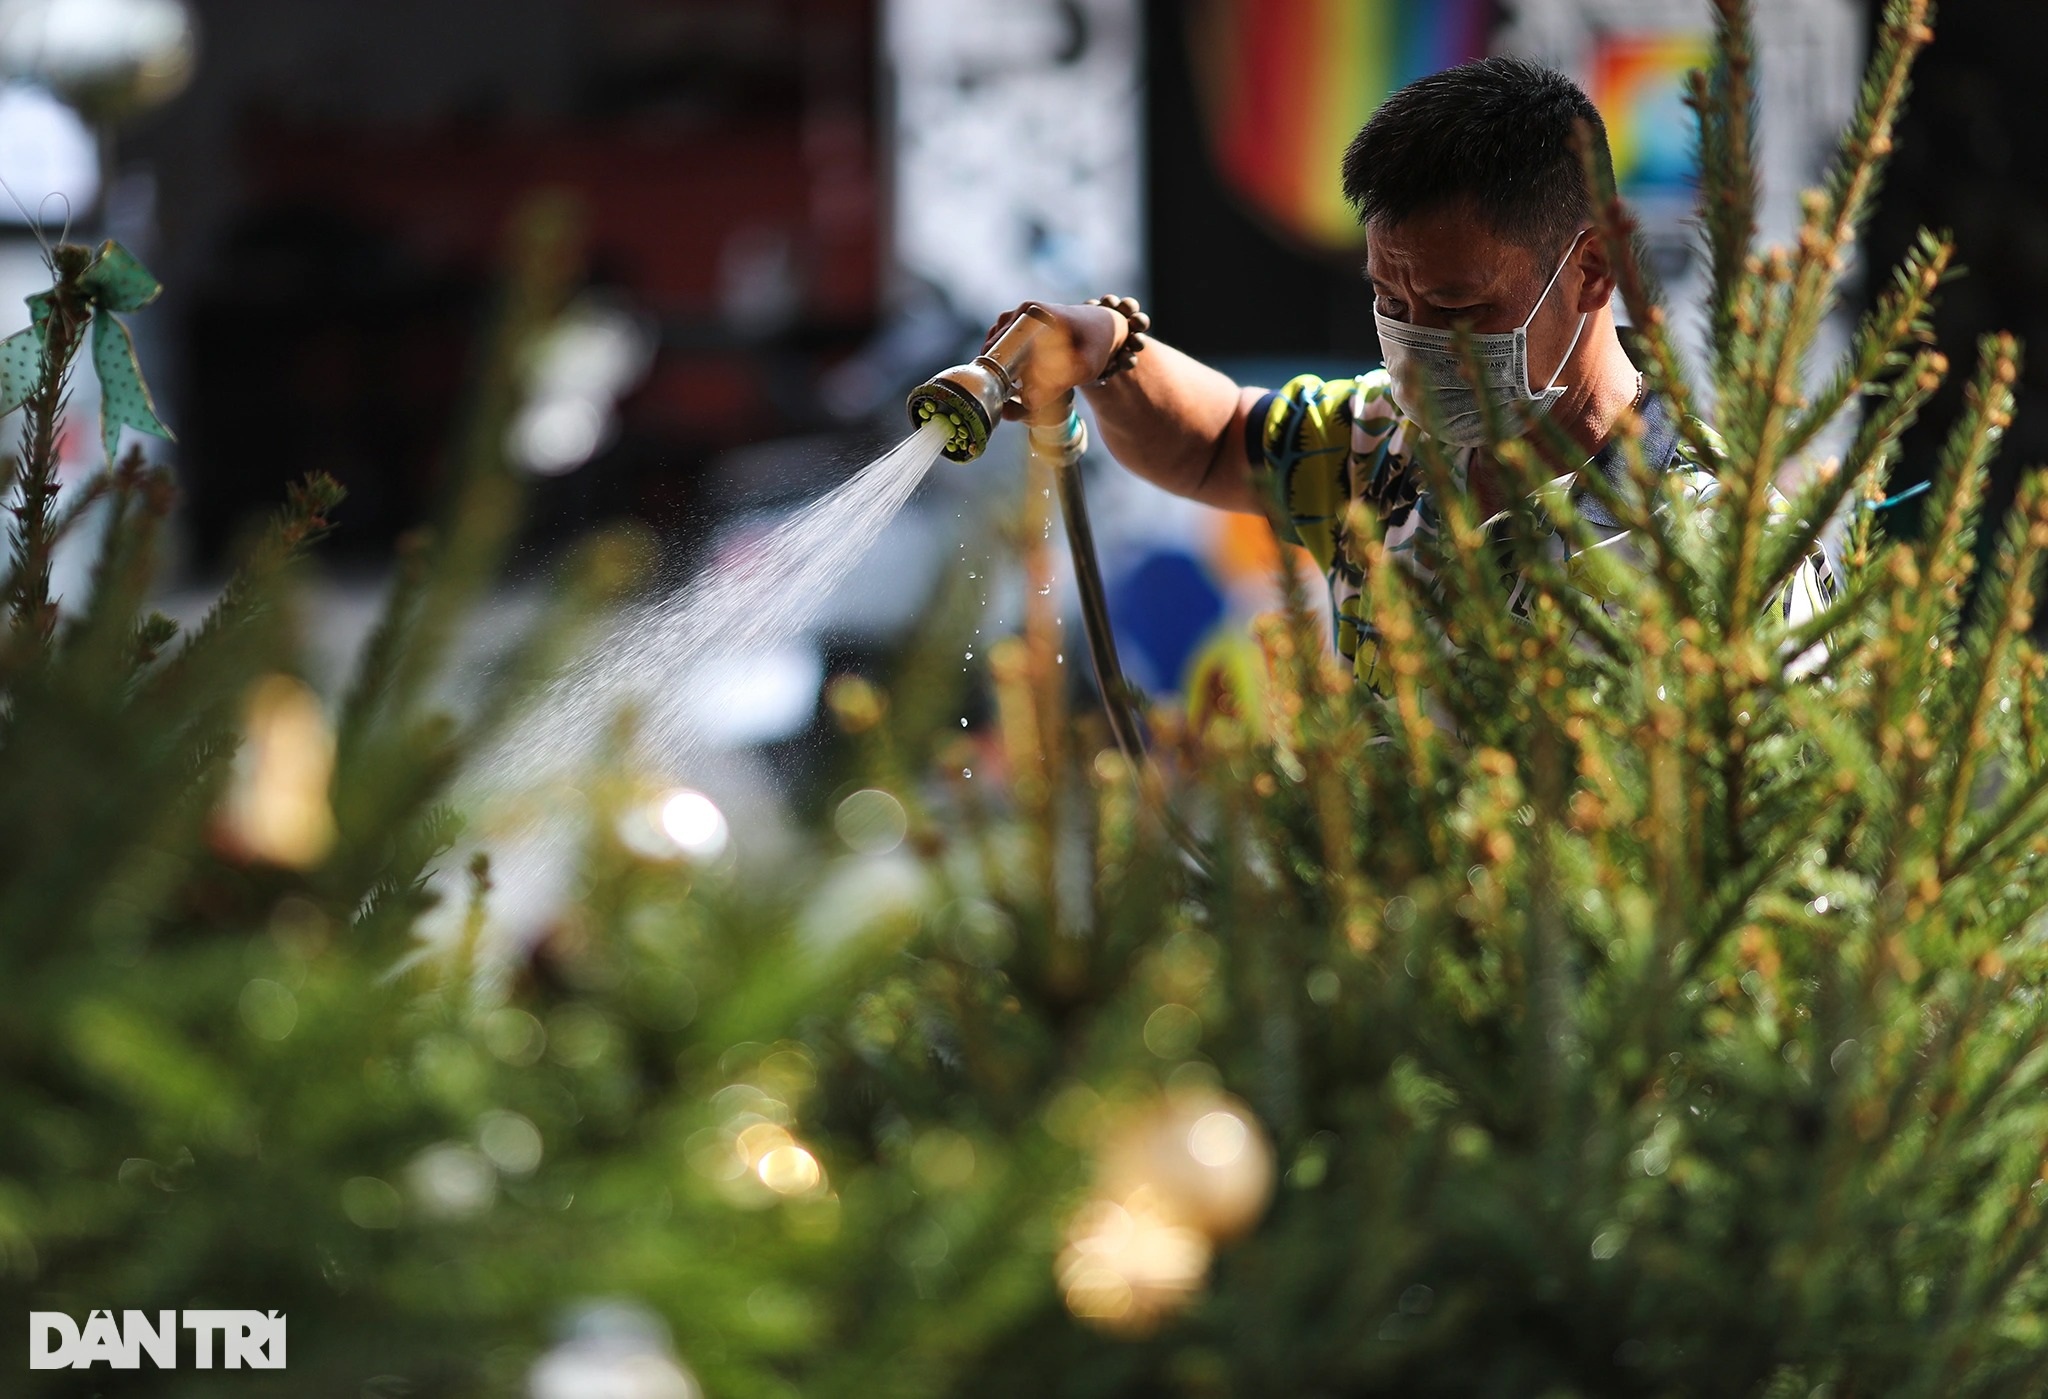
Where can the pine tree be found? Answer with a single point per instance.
(1618, 1007)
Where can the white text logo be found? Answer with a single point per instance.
(247, 1340)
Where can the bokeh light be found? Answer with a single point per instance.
(451, 1182)
(511, 1142)
(1175, 1176)
(1129, 1263)
(596, 351)
(694, 822)
(871, 822)
(371, 1203)
(612, 1350)
(277, 807)
(789, 1170)
(1172, 1031)
(1202, 1152)
(269, 1009)
(107, 57)
(1218, 1139)
(753, 1155)
(679, 824)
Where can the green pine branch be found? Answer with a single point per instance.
(1724, 102)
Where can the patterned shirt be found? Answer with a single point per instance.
(1320, 444)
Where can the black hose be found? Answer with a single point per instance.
(1109, 672)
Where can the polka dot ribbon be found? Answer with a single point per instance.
(113, 281)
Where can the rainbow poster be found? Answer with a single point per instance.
(1638, 83)
(1287, 84)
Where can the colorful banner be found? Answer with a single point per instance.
(1638, 83)
(1288, 83)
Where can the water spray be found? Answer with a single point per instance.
(967, 400)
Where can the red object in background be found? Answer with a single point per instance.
(672, 215)
(714, 394)
(723, 155)
(662, 206)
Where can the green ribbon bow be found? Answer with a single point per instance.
(113, 281)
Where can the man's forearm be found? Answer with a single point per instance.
(1181, 425)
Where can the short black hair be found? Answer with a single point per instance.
(1497, 132)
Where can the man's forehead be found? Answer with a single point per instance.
(1448, 248)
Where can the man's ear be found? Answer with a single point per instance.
(1597, 270)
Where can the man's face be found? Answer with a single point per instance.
(1446, 267)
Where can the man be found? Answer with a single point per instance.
(1476, 213)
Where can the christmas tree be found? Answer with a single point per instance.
(1639, 999)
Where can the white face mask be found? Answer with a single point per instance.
(1421, 360)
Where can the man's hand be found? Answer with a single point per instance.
(1067, 354)
(1170, 419)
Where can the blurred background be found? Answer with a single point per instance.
(799, 208)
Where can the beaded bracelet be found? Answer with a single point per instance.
(1136, 323)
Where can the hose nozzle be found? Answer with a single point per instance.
(967, 400)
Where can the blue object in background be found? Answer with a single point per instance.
(1162, 609)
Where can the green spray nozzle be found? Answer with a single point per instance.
(967, 400)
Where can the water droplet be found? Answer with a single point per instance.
(963, 723)
(1045, 591)
(970, 655)
(1060, 659)
(967, 772)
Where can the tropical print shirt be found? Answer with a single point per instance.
(1319, 444)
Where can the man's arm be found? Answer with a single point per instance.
(1169, 418)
